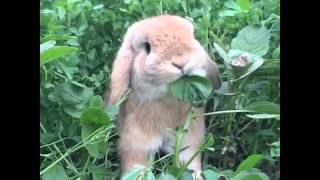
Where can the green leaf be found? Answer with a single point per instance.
(184, 6)
(243, 4)
(92, 54)
(74, 111)
(150, 176)
(173, 170)
(70, 94)
(127, 1)
(98, 173)
(227, 12)
(96, 102)
(96, 149)
(55, 173)
(46, 138)
(167, 177)
(210, 175)
(47, 45)
(112, 111)
(276, 53)
(99, 6)
(57, 38)
(133, 173)
(254, 66)
(93, 115)
(227, 173)
(262, 116)
(232, 5)
(186, 175)
(250, 174)
(193, 89)
(208, 142)
(61, 13)
(72, 98)
(252, 39)
(55, 52)
(275, 149)
(244, 63)
(249, 163)
(224, 89)
(222, 53)
(68, 71)
(265, 107)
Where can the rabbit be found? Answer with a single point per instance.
(154, 53)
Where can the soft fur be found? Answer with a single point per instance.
(150, 114)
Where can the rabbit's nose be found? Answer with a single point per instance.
(179, 66)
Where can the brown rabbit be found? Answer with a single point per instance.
(155, 52)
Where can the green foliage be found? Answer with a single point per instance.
(249, 163)
(55, 173)
(193, 89)
(78, 42)
(210, 174)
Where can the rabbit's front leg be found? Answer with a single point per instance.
(135, 145)
(192, 140)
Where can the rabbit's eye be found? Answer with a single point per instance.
(148, 47)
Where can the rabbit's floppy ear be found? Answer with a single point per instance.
(213, 73)
(121, 70)
(209, 66)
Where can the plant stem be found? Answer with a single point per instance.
(76, 147)
(222, 112)
(180, 135)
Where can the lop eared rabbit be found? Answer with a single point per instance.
(155, 52)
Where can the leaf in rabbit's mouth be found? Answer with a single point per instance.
(193, 89)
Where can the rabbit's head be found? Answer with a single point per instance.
(157, 51)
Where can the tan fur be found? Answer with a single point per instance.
(150, 114)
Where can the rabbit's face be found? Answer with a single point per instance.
(157, 51)
(157, 69)
(167, 51)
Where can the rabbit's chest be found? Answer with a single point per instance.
(161, 114)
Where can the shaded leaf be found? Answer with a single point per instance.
(227, 12)
(72, 98)
(167, 177)
(133, 173)
(174, 170)
(222, 53)
(251, 174)
(96, 102)
(98, 173)
(94, 115)
(264, 107)
(193, 89)
(186, 175)
(96, 149)
(112, 111)
(46, 138)
(249, 162)
(224, 89)
(231, 5)
(55, 173)
(57, 38)
(252, 39)
(56, 52)
(150, 176)
(276, 53)
(262, 116)
(210, 175)
(254, 66)
(47, 45)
